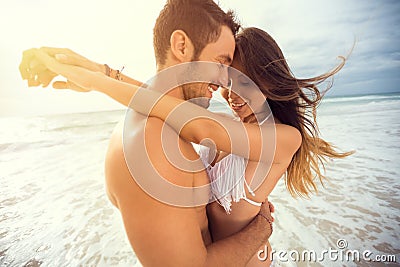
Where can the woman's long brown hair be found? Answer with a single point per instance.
(293, 102)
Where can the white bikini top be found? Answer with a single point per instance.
(227, 178)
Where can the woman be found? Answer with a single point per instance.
(293, 102)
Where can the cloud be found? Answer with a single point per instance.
(313, 33)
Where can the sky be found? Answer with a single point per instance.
(311, 33)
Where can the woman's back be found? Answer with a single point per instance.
(233, 204)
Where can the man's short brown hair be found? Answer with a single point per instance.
(201, 20)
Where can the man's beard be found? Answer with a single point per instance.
(194, 92)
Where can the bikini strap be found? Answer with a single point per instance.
(258, 204)
(248, 188)
(252, 193)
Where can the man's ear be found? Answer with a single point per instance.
(181, 46)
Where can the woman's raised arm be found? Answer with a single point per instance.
(191, 121)
(36, 73)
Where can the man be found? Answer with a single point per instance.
(163, 234)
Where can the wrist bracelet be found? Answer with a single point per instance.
(118, 72)
(108, 70)
(268, 220)
(118, 75)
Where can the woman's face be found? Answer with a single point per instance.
(239, 97)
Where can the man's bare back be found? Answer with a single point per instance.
(162, 234)
(125, 193)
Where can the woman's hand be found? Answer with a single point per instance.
(34, 69)
(69, 57)
(39, 67)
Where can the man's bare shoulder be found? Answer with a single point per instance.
(148, 147)
(134, 130)
(119, 181)
(169, 154)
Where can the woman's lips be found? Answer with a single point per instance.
(237, 106)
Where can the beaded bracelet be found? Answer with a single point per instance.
(268, 220)
(108, 70)
(117, 75)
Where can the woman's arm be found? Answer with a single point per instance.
(37, 74)
(192, 122)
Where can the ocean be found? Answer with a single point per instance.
(54, 210)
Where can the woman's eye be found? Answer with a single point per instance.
(244, 83)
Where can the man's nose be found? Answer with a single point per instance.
(224, 76)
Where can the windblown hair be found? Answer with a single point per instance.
(293, 102)
(201, 20)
